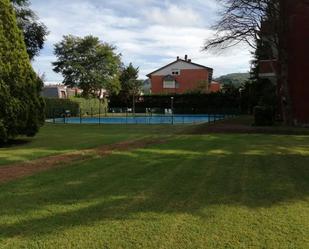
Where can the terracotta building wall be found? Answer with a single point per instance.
(298, 50)
(214, 87)
(188, 80)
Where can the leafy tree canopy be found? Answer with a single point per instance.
(128, 80)
(34, 31)
(88, 64)
(131, 87)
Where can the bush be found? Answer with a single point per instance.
(90, 106)
(55, 108)
(21, 107)
(263, 116)
(189, 103)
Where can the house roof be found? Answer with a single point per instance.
(189, 62)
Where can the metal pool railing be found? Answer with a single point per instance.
(140, 119)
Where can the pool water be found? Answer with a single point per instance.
(158, 119)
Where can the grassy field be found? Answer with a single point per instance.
(195, 191)
(57, 139)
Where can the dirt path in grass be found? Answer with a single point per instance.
(20, 170)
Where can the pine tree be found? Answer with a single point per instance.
(21, 107)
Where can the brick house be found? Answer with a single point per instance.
(297, 13)
(295, 39)
(60, 91)
(181, 76)
(215, 87)
(57, 91)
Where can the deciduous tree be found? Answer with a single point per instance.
(88, 64)
(130, 85)
(34, 31)
(242, 21)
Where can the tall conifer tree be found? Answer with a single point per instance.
(21, 107)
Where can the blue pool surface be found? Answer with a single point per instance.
(158, 119)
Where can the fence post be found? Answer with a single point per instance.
(54, 121)
(80, 115)
(99, 112)
(127, 115)
(63, 116)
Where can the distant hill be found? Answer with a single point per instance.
(235, 79)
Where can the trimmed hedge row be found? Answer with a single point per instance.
(191, 103)
(264, 116)
(55, 108)
(90, 106)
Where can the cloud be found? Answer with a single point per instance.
(147, 33)
(173, 15)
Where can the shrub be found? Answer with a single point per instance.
(55, 108)
(21, 107)
(90, 106)
(263, 116)
(189, 103)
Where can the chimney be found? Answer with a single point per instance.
(178, 58)
(189, 60)
(186, 57)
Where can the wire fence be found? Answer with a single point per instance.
(127, 116)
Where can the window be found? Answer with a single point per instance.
(169, 84)
(175, 72)
(63, 95)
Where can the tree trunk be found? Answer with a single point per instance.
(133, 106)
(286, 102)
(285, 97)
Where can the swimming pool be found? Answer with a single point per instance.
(158, 119)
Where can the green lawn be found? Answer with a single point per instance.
(196, 191)
(57, 139)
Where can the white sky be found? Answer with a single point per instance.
(148, 33)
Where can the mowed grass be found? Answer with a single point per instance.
(196, 191)
(58, 139)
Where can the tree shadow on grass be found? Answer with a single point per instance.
(157, 181)
(15, 143)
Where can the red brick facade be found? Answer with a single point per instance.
(298, 59)
(294, 45)
(214, 87)
(268, 67)
(188, 80)
(184, 75)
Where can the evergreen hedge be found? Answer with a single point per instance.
(21, 107)
(55, 108)
(190, 103)
(263, 116)
(90, 106)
